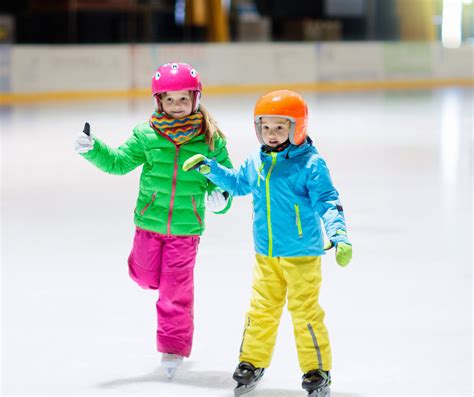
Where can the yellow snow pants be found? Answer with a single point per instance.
(273, 278)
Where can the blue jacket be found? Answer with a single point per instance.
(292, 191)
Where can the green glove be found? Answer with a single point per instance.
(343, 254)
(197, 162)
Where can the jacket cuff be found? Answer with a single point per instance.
(339, 237)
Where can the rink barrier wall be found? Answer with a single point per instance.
(40, 73)
(342, 86)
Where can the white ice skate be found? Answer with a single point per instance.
(170, 362)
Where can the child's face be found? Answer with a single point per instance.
(177, 104)
(275, 130)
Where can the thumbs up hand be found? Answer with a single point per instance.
(84, 142)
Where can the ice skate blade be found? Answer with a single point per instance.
(170, 365)
(323, 392)
(170, 372)
(244, 389)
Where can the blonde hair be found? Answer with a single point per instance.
(210, 127)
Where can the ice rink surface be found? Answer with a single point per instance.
(399, 316)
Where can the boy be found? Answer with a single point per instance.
(292, 191)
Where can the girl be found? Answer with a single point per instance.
(169, 213)
(292, 192)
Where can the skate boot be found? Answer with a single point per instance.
(170, 362)
(317, 383)
(247, 377)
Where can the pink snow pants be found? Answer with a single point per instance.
(167, 263)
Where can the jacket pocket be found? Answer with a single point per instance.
(196, 211)
(153, 196)
(298, 221)
(259, 174)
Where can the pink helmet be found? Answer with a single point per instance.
(176, 76)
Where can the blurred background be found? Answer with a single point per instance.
(334, 44)
(380, 43)
(150, 21)
(389, 85)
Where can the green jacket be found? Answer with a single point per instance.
(170, 201)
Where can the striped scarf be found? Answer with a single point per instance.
(178, 130)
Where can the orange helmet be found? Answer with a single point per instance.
(287, 104)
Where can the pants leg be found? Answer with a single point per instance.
(303, 276)
(263, 317)
(175, 306)
(144, 262)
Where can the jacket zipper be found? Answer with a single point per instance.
(298, 221)
(175, 174)
(173, 188)
(269, 217)
(196, 211)
(142, 212)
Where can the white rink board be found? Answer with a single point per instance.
(449, 63)
(43, 69)
(70, 68)
(231, 65)
(350, 62)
